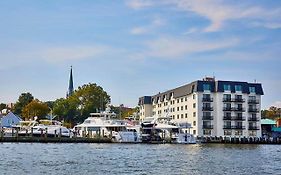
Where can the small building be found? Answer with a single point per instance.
(9, 120)
(267, 125)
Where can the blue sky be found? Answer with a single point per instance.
(137, 47)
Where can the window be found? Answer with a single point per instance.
(194, 123)
(227, 132)
(194, 114)
(194, 105)
(238, 133)
(226, 97)
(185, 98)
(185, 107)
(238, 88)
(185, 115)
(181, 99)
(178, 116)
(252, 98)
(181, 107)
(207, 114)
(252, 89)
(194, 132)
(178, 100)
(178, 108)
(206, 87)
(173, 116)
(207, 132)
(226, 87)
(181, 115)
(193, 96)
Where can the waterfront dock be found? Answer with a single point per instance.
(54, 140)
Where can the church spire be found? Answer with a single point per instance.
(70, 87)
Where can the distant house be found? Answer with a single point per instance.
(267, 125)
(9, 120)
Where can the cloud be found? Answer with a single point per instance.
(157, 22)
(277, 104)
(55, 54)
(173, 48)
(138, 4)
(220, 12)
(191, 30)
(60, 54)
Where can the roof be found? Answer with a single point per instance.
(276, 129)
(197, 86)
(268, 122)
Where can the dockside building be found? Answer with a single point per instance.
(213, 108)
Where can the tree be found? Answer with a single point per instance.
(24, 99)
(90, 98)
(35, 108)
(271, 113)
(3, 106)
(77, 107)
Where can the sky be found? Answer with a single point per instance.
(134, 48)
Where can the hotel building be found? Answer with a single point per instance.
(213, 108)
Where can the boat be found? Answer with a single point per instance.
(50, 128)
(105, 124)
(164, 129)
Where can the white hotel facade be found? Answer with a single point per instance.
(213, 108)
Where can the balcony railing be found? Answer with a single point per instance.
(226, 100)
(253, 119)
(238, 127)
(227, 117)
(253, 101)
(254, 110)
(207, 126)
(207, 108)
(238, 100)
(253, 128)
(207, 99)
(239, 109)
(227, 127)
(207, 118)
(239, 118)
(227, 109)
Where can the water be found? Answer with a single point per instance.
(134, 159)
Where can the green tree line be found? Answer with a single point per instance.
(73, 109)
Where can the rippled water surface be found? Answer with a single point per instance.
(35, 158)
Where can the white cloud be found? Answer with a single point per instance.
(157, 22)
(173, 48)
(138, 4)
(220, 12)
(60, 54)
(191, 30)
(277, 104)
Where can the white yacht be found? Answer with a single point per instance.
(53, 128)
(164, 129)
(105, 124)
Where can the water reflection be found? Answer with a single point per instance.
(136, 159)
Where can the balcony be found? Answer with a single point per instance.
(239, 100)
(207, 117)
(227, 109)
(207, 126)
(207, 108)
(253, 119)
(207, 99)
(239, 109)
(227, 117)
(238, 127)
(253, 102)
(238, 118)
(254, 110)
(226, 100)
(253, 128)
(227, 127)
